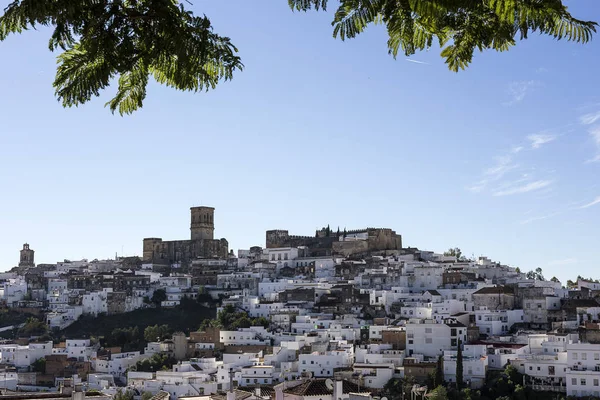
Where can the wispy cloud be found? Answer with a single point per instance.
(595, 134)
(566, 261)
(528, 187)
(502, 166)
(519, 90)
(540, 218)
(539, 139)
(591, 203)
(590, 118)
(517, 149)
(416, 61)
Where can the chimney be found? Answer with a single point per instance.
(338, 389)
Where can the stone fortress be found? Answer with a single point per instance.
(346, 243)
(200, 245)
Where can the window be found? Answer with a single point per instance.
(453, 332)
(530, 368)
(595, 382)
(596, 356)
(584, 356)
(285, 256)
(573, 381)
(582, 381)
(428, 330)
(428, 340)
(538, 368)
(575, 356)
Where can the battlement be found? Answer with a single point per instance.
(299, 237)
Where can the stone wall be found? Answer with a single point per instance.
(396, 338)
(174, 251)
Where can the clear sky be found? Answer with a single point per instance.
(500, 160)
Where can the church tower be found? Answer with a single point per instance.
(202, 225)
(27, 259)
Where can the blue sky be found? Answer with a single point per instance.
(500, 160)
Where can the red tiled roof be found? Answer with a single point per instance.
(317, 387)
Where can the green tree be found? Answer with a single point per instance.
(459, 366)
(123, 395)
(536, 274)
(155, 363)
(439, 372)
(147, 395)
(455, 252)
(555, 279)
(439, 393)
(261, 321)
(33, 327)
(395, 388)
(156, 332)
(127, 338)
(39, 365)
(518, 270)
(134, 39)
(159, 296)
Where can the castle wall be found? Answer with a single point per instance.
(373, 239)
(169, 252)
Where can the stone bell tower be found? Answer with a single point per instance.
(202, 225)
(27, 257)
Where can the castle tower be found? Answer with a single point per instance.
(27, 257)
(202, 225)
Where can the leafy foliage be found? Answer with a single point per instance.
(129, 339)
(459, 366)
(33, 327)
(438, 378)
(123, 395)
(537, 274)
(158, 296)
(128, 39)
(439, 393)
(39, 365)
(156, 332)
(132, 40)
(230, 319)
(456, 252)
(397, 388)
(155, 363)
(459, 26)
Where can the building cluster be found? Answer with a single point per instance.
(347, 312)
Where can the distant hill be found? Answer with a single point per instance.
(181, 318)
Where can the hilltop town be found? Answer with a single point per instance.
(340, 314)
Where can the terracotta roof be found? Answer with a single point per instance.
(239, 395)
(495, 290)
(317, 387)
(161, 395)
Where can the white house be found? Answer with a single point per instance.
(431, 338)
(475, 365)
(583, 369)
